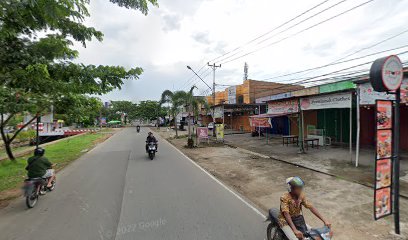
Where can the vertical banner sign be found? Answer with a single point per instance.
(383, 159)
(219, 131)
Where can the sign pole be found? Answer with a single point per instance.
(37, 131)
(396, 160)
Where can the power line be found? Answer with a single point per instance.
(335, 63)
(301, 31)
(290, 27)
(281, 25)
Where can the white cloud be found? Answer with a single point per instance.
(181, 33)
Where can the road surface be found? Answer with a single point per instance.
(116, 192)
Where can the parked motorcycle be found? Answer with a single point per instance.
(273, 231)
(34, 187)
(151, 150)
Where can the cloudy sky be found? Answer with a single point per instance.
(193, 32)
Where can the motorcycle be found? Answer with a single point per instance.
(138, 129)
(34, 187)
(273, 231)
(151, 149)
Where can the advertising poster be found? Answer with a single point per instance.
(202, 132)
(384, 144)
(384, 114)
(283, 107)
(404, 91)
(382, 202)
(259, 122)
(368, 96)
(383, 173)
(219, 131)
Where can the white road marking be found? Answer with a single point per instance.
(218, 181)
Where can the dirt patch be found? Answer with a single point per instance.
(349, 206)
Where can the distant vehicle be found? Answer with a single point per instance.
(211, 125)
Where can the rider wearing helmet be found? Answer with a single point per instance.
(150, 138)
(291, 219)
(39, 166)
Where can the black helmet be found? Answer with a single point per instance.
(39, 152)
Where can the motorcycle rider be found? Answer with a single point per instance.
(291, 210)
(137, 128)
(150, 138)
(39, 166)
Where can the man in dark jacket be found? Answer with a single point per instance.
(39, 166)
(150, 138)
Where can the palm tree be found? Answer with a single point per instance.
(181, 99)
(176, 100)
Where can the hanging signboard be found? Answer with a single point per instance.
(259, 122)
(232, 95)
(383, 162)
(338, 100)
(368, 95)
(386, 74)
(283, 107)
(219, 131)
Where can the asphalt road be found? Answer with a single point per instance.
(116, 192)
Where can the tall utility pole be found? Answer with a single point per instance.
(214, 67)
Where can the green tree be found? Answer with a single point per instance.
(180, 100)
(79, 109)
(36, 70)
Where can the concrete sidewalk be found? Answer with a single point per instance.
(331, 160)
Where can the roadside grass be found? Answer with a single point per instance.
(12, 174)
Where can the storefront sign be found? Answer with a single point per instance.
(259, 122)
(306, 92)
(337, 86)
(386, 74)
(283, 107)
(202, 132)
(339, 100)
(383, 159)
(232, 95)
(274, 97)
(218, 112)
(368, 96)
(219, 131)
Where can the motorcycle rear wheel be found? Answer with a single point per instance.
(31, 200)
